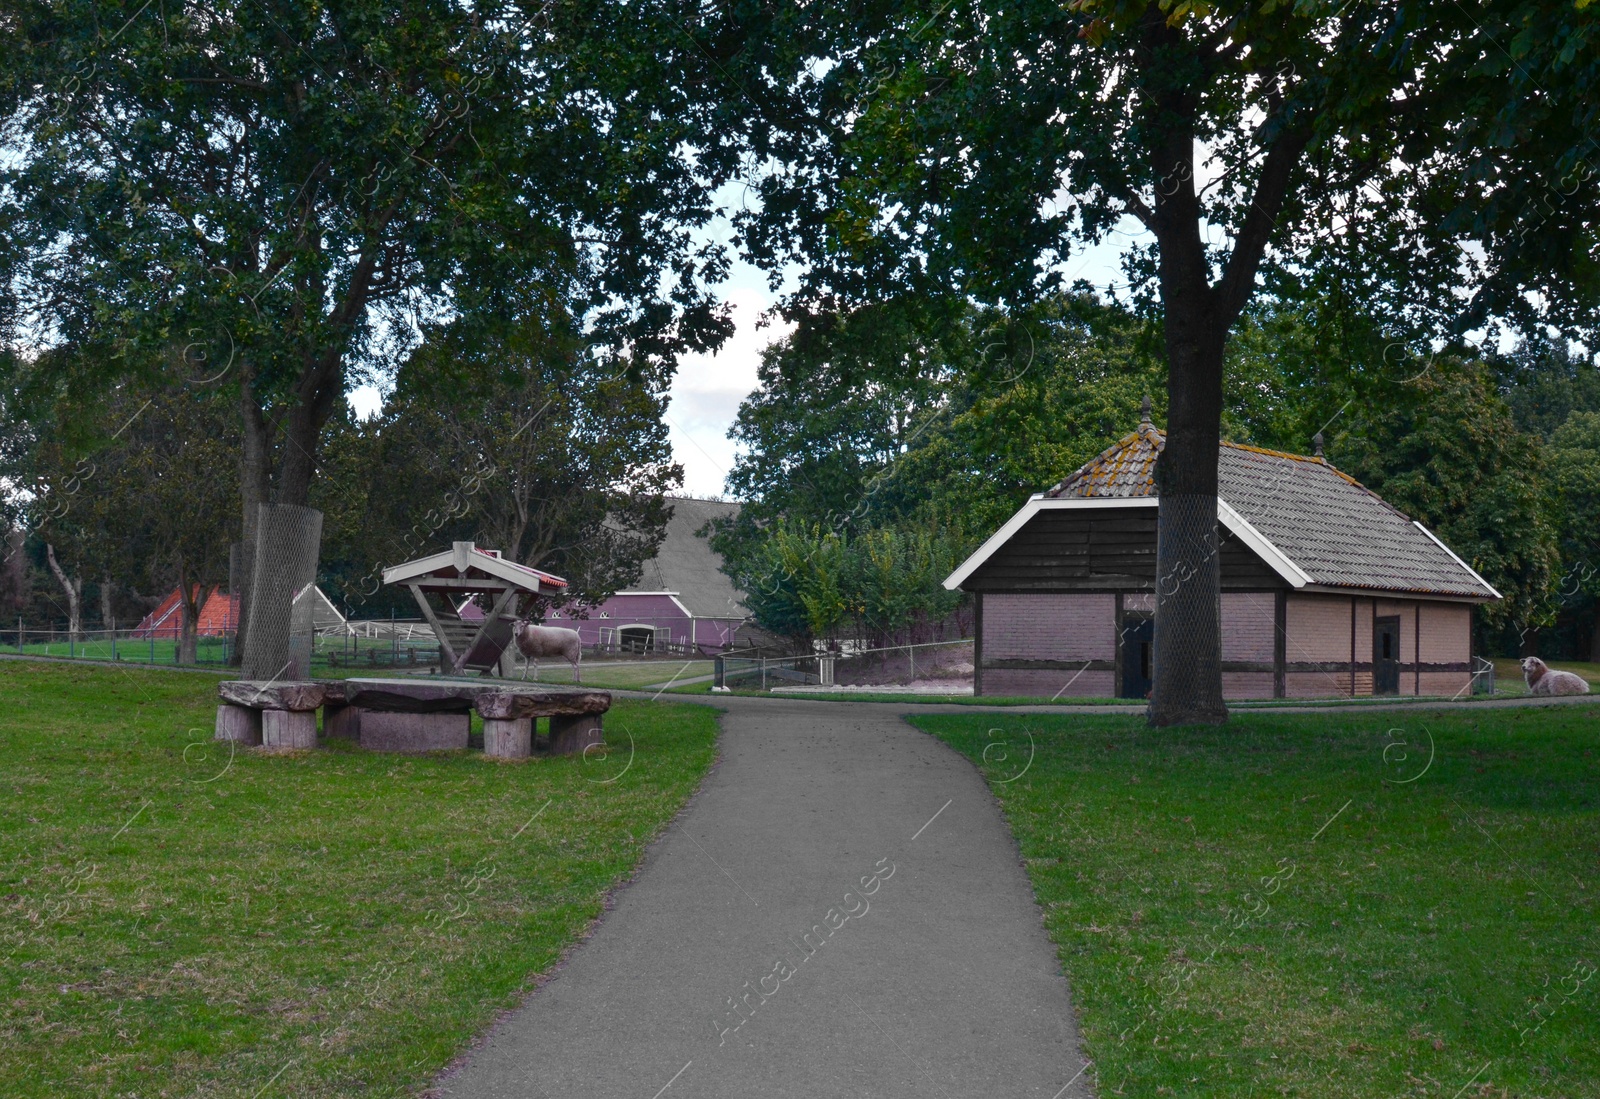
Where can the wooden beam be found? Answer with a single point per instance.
(1417, 650)
(489, 619)
(446, 583)
(1352, 646)
(978, 643)
(427, 612)
(1280, 644)
(1117, 656)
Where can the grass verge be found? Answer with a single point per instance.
(1319, 904)
(182, 920)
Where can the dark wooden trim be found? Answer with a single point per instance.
(1117, 659)
(1352, 646)
(1416, 649)
(427, 612)
(444, 583)
(1374, 642)
(460, 663)
(1280, 643)
(1052, 665)
(977, 643)
(1263, 666)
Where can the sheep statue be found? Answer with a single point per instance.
(534, 641)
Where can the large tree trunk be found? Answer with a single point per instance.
(106, 588)
(255, 477)
(73, 586)
(1188, 635)
(320, 390)
(191, 594)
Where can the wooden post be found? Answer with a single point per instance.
(508, 739)
(977, 644)
(489, 619)
(1352, 646)
(570, 734)
(427, 613)
(1417, 649)
(1117, 659)
(1280, 644)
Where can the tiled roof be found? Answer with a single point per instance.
(686, 563)
(1334, 529)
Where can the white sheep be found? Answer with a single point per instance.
(534, 641)
(1544, 680)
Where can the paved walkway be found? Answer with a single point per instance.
(840, 912)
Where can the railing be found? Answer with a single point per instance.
(1482, 676)
(828, 669)
(123, 646)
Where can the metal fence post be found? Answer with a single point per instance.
(113, 639)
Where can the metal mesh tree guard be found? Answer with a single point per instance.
(288, 541)
(1188, 650)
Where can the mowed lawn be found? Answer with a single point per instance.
(179, 920)
(1305, 905)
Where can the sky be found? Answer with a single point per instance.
(708, 389)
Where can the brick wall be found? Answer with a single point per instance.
(1446, 633)
(1318, 628)
(1248, 628)
(1047, 627)
(1032, 683)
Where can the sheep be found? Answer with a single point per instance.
(1543, 681)
(534, 641)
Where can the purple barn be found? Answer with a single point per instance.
(683, 601)
(1326, 589)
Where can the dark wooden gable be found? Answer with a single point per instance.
(1101, 549)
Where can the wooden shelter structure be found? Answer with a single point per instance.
(1327, 589)
(465, 569)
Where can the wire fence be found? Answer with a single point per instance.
(850, 665)
(396, 644)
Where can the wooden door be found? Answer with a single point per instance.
(1138, 656)
(1386, 655)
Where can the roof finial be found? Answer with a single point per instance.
(1316, 444)
(1144, 412)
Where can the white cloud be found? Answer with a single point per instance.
(708, 389)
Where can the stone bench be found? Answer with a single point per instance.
(403, 715)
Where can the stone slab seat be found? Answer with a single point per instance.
(279, 715)
(401, 715)
(506, 705)
(293, 695)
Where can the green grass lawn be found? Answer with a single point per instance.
(1300, 904)
(179, 921)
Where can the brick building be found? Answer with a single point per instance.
(1326, 589)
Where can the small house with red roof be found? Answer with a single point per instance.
(219, 616)
(1327, 589)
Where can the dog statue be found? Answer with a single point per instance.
(1543, 681)
(534, 641)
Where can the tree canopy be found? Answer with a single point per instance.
(970, 148)
(280, 197)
